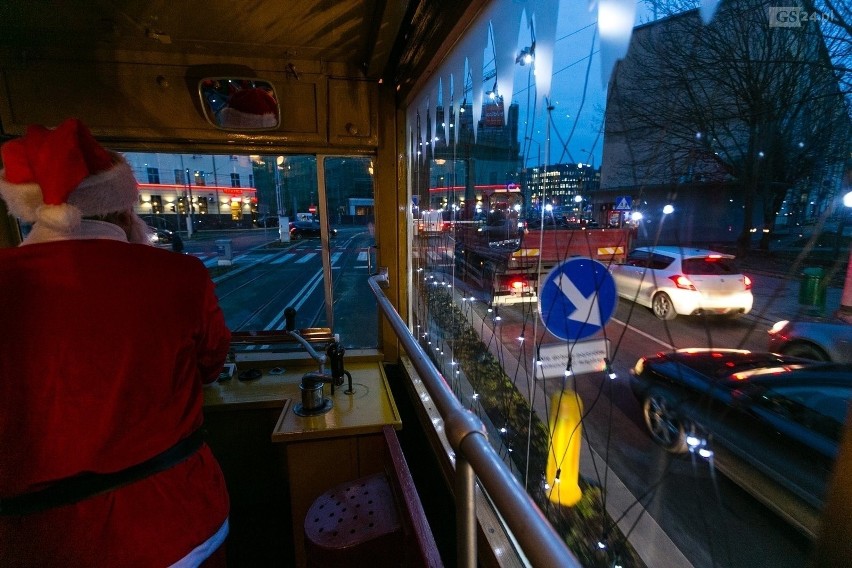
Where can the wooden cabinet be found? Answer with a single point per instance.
(159, 100)
(352, 113)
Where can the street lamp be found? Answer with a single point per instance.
(845, 311)
(279, 162)
(189, 226)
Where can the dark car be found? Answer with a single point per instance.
(823, 340)
(307, 229)
(160, 236)
(772, 423)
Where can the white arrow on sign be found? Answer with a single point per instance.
(585, 309)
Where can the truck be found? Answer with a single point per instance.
(506, 259)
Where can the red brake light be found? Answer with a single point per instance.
(682, 282)
(517, 284)
(747, 281)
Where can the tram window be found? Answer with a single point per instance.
(350, 209)
(273, 267)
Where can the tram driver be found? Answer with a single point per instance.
(106, 344)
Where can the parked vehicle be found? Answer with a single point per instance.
(307, 229)
(160, 236)
(825, 340)
(772, 422)
(675, 280)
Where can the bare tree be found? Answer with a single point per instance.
(737, 99)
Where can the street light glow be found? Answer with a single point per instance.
(847, 199)
(668, 209)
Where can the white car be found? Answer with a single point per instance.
(676, 280)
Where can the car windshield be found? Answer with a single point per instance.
(709, 265)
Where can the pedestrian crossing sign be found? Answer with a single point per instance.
(623, 204)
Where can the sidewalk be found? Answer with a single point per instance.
(776, 297)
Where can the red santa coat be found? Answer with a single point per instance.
(104, 349)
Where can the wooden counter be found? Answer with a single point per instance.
(366, 411)
(345, 443)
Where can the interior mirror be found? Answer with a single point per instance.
(234, 103)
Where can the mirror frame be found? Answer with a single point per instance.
(253, 92)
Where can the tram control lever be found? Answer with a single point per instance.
(335, 353)
(290, 329)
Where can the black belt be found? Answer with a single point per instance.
(73, 489)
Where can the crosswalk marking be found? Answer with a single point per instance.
(283, 258)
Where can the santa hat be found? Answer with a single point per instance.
(58, 176)
(250, 108)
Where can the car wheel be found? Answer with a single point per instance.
(297, 236)
(663, 424)
(662, 307)
(805, 351)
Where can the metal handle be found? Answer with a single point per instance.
(475, 457)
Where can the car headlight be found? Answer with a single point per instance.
(779, 327)
(639, 367)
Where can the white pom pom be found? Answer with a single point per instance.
(64, 218)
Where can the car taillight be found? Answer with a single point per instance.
(747, 281)
(778, 327)
(682, 282)
(517, 285)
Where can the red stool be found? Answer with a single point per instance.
(354, 524)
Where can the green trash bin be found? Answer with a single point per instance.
(812, 290)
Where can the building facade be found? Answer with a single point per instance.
(214, 191)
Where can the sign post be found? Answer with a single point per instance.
(577, 298)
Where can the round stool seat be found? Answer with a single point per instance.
(354, 524)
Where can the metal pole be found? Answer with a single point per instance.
(189, 206)
(541, 545)
(216, 186)
(465, 493)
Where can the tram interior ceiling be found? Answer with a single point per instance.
(142, 69)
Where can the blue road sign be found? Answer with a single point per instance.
(577, 298)
(623, 203)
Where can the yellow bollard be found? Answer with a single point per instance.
(563, 458)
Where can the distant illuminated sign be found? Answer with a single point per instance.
(492, 114)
